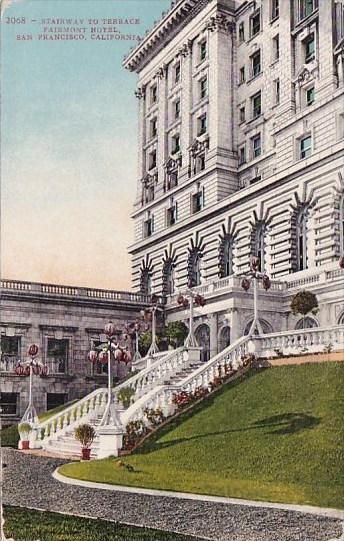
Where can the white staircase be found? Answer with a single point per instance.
(176, 371)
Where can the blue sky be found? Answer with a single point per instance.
(69, 145)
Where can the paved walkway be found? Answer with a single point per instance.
(29, 483)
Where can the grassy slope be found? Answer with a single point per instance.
(23, 524)
(278, 436)
(10, 436)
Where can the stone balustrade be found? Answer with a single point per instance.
(301, 341)
(33, 288)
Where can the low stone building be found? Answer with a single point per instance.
(64, 322)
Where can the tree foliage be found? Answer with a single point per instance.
(176, 332)
(303, 303)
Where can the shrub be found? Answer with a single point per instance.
(85, 434)
(24, 430)
(135, 430)
(303, 303)
(154, 416)
(125, 395)
(176, 332)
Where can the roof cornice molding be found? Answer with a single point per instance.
(182, 12)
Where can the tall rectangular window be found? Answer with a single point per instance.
(153, 127)
(148, 226)
(277, 91)
(242, 155)
(256, 102)
(256, 146)
(152, 160)
(154, 94)
(310, 95)
(177, 109)
(306, 8)
(202, 124)
(309, 48)
(255, 24)
(241, 32)
(305, 147)
(203, 85)
(175, 143)
(203, 50)
(172, 213)
(274, 9)
(242, 114)
(198, 200)
(242, 75)
(275, 48)
(57, 355)
(255, 64)
(177, 73)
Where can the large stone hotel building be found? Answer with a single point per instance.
(241, 127)
(241, 146)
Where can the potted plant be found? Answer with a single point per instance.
(85, 434)
(125, 395)
(24, 430)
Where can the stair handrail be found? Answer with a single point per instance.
(72, 407)
(129, 413)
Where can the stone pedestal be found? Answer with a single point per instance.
(110, 441)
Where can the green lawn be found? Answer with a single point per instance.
(10, 436)
(276, 436)
(24, 524)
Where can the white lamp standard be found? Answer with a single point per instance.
(189, 299)
(150, 315)
(29, 368)
(254, 274)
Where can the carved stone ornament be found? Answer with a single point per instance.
(148, 179)
(162, 72)
(220, 22)
(186, 49)
(140, 93)
(173, 163)
(199, 146)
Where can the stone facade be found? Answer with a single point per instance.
(64, 322)
(241, 153)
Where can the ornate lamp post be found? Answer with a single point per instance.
(150, 315)
(109, 349)
(29, 368)
(189, 299)
(254, 274)
(133, 329)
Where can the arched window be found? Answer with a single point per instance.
(224, 338)
(266, 327)
(202, 335)
(301, 239)
(195, 268)
(226, 257)
(169, 277)
(306, 323)
(146, 282)
(259, 245)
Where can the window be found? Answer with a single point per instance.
(203, 50)
(241, 32)
(255, 24)
(172, 213)
(8, 403)
(242, 155)
(255, 64)
(169, 272)
(275, 48)
(175, 143)
(152, 160)
(274, 9)
(309, 48)
(227, 257)
(153, 127)
(148, 226)
(305, 147)
(203, 87)
(199, 163)
(154, 94)
(148, 190)
(256, 146)
(242, 114)
(195, 268)
(10, 347)
(57, 355)
(301, 239)
(56, 399)
(259, 245)
(256, 102)
(310, 96)
(177, 109)
(242, 75)
(277, 91)
(306, 8)
(146, 282)
(177, 73)
(202, 124)
(198, 200)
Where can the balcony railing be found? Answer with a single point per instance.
(34, 288)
